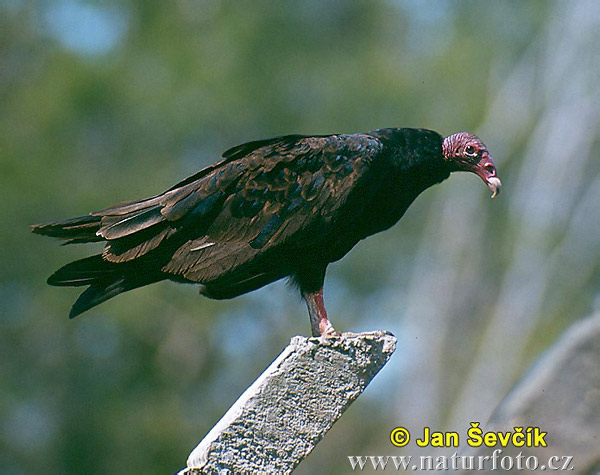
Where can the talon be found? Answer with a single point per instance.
(327, 329)
(331, 334)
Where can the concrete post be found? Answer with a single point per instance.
(284, 414)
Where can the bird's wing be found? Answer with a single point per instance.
(288, 194)
(262, 195)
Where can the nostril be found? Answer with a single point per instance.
(490, 168)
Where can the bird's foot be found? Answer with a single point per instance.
(331, 334)
(326, 329)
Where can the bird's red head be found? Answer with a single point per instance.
(469, 154)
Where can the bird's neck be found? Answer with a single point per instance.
(418, 173)
(414, 157)
(413, 162)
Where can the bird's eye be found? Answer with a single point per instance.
(470, 151)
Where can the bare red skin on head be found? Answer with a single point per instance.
(468, 153)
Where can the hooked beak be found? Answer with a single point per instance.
(486, 170)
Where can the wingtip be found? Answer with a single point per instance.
(53, 280)
(74, 313)
(35, 228)
(82, 303)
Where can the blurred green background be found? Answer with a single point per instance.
(107, 101)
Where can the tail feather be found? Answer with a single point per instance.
(105, 279)
(97, 293)
(84, 272)
(76, 230)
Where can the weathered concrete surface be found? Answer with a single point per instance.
(561, 395)
(282, 416)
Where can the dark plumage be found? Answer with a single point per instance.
(286, 206)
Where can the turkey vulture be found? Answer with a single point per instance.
(282, 207)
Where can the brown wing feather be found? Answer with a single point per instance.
(134, 229)
(262, 195)
(284, 194)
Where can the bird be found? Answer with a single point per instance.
(282, 207)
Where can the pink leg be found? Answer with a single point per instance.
(319, 323)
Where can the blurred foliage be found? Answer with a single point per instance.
(106, 101)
